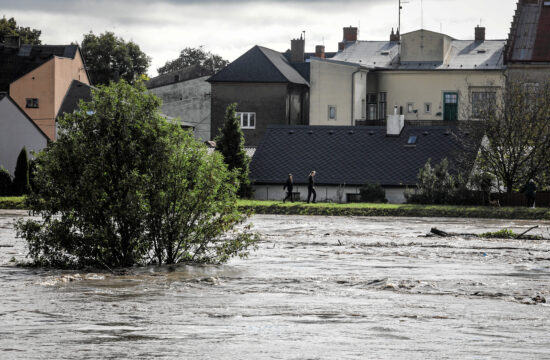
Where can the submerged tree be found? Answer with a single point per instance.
(121, 186)
(230, 143)
(516, 126)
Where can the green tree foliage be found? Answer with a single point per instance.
(121, 186)
(110, 58)
(21, 184)
(194, 56)
(230, 143)
(436, 185)
(372, 193)
(8, 27)
(516, 130)
(5, 182)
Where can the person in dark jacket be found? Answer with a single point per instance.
(530, 190)
(288, 186)
(311, 187)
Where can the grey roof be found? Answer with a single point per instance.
(529, 38)
(173, 77)
(260, 64)
(351, 155)
(77, 91)
(462, 55)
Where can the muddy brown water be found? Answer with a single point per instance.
(317, 288)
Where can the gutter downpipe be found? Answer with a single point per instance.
(353, 95)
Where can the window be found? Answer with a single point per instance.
(32, 103)
(363, 109)
(412, 140)
(410, 108)
(372, 105)
(248, 120)
(428, 108)
(382, 106)
(480, 101)
(332, 112)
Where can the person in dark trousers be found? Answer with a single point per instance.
(530, 190)
(288, 186)
(311, 187)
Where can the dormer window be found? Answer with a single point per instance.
(412, 140)
(32, 103)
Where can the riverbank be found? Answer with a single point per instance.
(362, 209)
(397, 210)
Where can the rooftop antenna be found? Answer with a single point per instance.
(422, 14)
(399, 30)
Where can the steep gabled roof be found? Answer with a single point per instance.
(351, 155)
(260, 65)
(24, 114)
(78, 90)
(16, 62)
(529, 39)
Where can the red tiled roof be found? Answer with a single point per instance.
(541, 52)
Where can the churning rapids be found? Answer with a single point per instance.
(317, 288)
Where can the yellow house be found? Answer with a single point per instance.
(426, 76)
(40, 91)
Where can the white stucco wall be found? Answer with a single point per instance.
(324, 193)
(421, 87)
(16, 131)
(331, 85)
(190, 101)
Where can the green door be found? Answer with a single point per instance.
(450, 106)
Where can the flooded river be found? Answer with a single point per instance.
(317, 288)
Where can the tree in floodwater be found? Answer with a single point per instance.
(122, 186)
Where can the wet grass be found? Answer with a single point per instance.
(12, 202)
(398, 210)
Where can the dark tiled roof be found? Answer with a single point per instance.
(260, 64)
(16, 62)
(78, 90)
(529, 39)
(351, 155)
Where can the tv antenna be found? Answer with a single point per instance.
(401, 2)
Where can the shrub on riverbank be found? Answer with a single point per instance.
(121, 187)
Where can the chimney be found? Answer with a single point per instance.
(297, 50)
(394, 37)
(320, 51)
(395, 123)
(12, 41)
(480, 34)
(350, 34)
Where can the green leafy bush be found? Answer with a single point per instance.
(5, 182)
(121, 187)
(373, 193)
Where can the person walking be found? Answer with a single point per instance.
(530, 190)
(311, 187)
(288, 186)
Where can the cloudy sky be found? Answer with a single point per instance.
(230, 27)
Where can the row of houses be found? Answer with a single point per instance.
(371, 112)
(296, 107)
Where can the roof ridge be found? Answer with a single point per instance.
(262, 48)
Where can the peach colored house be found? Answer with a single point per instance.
(41, 91)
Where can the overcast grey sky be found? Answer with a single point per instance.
(163, 27)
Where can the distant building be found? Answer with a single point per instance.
(17, 130)
(186, 95)
(269, 89)
(37, 78)
(427, 76)
(527, 54)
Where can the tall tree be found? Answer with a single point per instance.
(230, 143)
(194, 56)
(110, 58)
(21, 184)
(516, 126)
(26, 34)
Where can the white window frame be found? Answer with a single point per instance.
(335, 117)
(427, 108)
(244, 118)
(410, 108)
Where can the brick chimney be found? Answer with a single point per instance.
(350, 33)
(480, 34)
(297, 50)
(320, 51)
